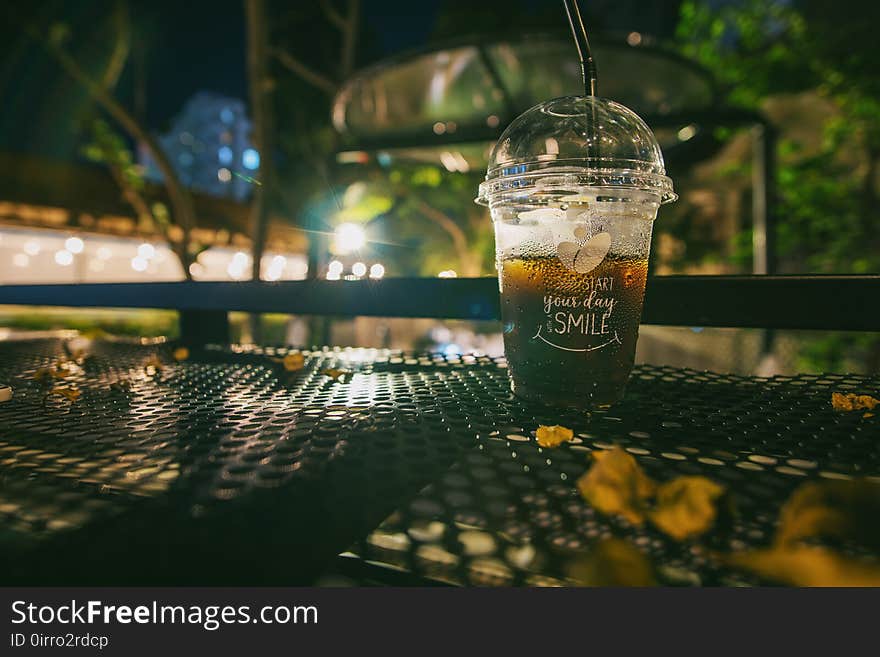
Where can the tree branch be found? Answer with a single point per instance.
(459, 239)
(179, 196)
(130, 194)
(121, 46)
(332, 15)
(263, 129)
(308, 74)
(349, 38)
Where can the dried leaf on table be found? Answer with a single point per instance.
(553, 436)
(70, 394)
(805, 565)
(612, 562)
(337, 375)
(294, 361)
(686, 507)
(853, 402)
(181, 354)
(616, 485)
(840, 510)
(47, 375)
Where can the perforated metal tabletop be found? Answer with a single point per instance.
(225, 468)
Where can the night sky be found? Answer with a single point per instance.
(212, 34)
(192, 45)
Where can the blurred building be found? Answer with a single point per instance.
(209, 145)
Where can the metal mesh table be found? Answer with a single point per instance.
(225, 468)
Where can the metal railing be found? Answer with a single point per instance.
(770, 302)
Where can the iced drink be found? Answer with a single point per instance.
(573, 237)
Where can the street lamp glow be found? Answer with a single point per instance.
(358, 269)
(377, 270)
(335, 267)
(448, 273)
(63, 257)
(74, 245)
(350, 237)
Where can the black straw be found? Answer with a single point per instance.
(588, 69)
(582, 43)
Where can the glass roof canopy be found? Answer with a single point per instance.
(465, 94)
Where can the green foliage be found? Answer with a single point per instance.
(108, 147)
(828, 214)
(754, 47)
(827, 210)
(427, 214)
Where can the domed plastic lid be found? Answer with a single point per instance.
(561, 146)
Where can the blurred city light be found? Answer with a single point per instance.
(358, 269)
(335, 267)
(31, 247)
(687, 132)
(238, 265)
(74, 245)
(250, 159)
(224, 175)
(276, 268)
(20, 260)
(447, 273)
(225, 155)
(349, 237)
(139, 264)
(377, 271)
(104, 252)
(146, 250)
(63, 257)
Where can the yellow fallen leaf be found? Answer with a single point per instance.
(70, 394)
(553, 436)
(686, 506)
(51, 373)
(294, 361)
(612, 562)
(853, 402)
(805, 565)
(616, 485)
(842, 510)
(336, 374)
(181, 354)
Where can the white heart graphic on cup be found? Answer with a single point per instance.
(584, 257)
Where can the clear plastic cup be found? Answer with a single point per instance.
(573, 186)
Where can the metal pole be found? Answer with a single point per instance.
(763, 224)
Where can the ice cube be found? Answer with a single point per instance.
(542, 215)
